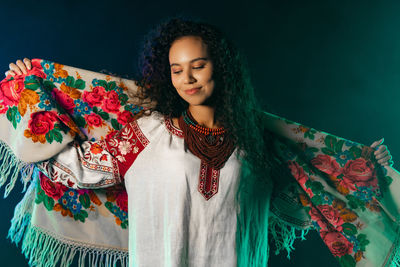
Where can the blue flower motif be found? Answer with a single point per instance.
(118, 90)
(95, 82)
(82, 107)
(364, 193)
(133, 108)
(71, 195)
(17, 117)
(46, 102)
(48, 67)
(327, 198)
(356, 244)
(343, 157)
(75, 207)
(349, 143)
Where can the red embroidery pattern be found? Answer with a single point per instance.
(171, 128)
(208, 178)
(126, 145)
(208, 181)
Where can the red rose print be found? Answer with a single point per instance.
(52, 189)
(332, 215)
(124, 117)
(297, 172)
(317, 216)
(95, 97)
(122, 200)
(64, 100)
(359, 172)
(94, 120)
(337, 243)
(327, 164)
(10, 91)
(111, 103)
(42, 122)
(37, 72)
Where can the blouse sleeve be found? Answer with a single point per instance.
(95, 164)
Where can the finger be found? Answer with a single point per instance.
(385, 159)
(28, 64)
(376, 143)
(15, 68)
(389, 163)
(10, 72)
(22, 66)
(381, 155)
(380, 150)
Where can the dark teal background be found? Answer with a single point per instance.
(331, 65)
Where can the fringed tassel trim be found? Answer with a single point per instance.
(393, 260)
(43, 249)
(23, 213)
(284, 235)
(11, 167)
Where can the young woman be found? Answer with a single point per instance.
(199, 167)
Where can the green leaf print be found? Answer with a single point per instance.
(347, 261)
(327, 151)
(48, 85)
(316, 200)
(339, 146)
(31, 83)
(84, 200)
(111, 86)
(123, 98)
(330, 142)
(57, 136)
(49, 137)
(48, 202)
(349, 229)
(115, 124)
(80, 84)
(80, 121)
(12, 116)
(355, 152)
(70, 81)
(316, 187)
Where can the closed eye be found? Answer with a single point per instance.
(200, 67)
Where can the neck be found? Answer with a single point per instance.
(204, 115)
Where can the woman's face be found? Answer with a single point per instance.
(191, 69)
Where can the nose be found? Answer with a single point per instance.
(189, 77)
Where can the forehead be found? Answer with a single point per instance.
(187, 48)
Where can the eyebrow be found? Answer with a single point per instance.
(191, 61)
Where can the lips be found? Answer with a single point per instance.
(192, 91)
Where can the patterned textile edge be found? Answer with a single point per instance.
(43, 248)
(12, 169)
(284, 234)
(46, 249)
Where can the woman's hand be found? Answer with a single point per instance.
(382, 154)
(21, 67)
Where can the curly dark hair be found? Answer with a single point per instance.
(233, 97)
(236, 109)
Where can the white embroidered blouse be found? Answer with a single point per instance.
(181, 213)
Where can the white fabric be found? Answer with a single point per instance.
(170, 222)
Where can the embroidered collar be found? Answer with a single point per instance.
(171, 128)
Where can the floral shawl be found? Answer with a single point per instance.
(332, 185)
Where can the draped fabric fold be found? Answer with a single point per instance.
(330, 184)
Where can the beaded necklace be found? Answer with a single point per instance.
(213, 146)
(210, 134)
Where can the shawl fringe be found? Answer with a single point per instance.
(394, 259)
(284, 235)
(43, 248)
(12, 168)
